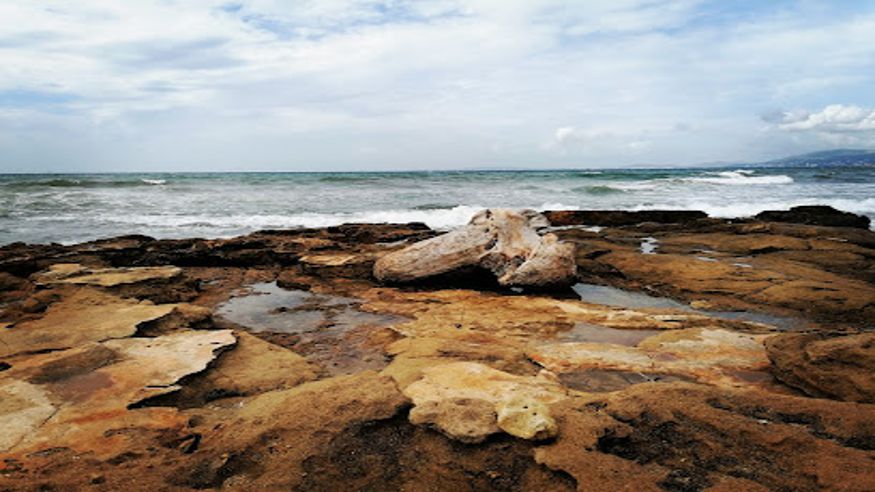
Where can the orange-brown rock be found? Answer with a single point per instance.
(84, 315)
(840, 367)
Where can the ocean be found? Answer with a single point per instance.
(71, 208)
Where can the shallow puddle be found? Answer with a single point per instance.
(271, 308)
(329, 330)
(587, 332)
(649, 246)
(612, 296)
(601, 380)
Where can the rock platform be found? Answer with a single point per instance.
(692, 354)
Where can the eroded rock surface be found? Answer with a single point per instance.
(85, 315)
(504, 242)
(841, 367)
(470, 401)
(136, 380)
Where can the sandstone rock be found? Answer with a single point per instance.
(251, 367)
(713, 356)
(337, 264)
(64, 273)
(23, 408)
(85, 315)
(503, 241)
(526, 418)
(467, 420)
(840, 367)
(465, 399)
(95, 385)
(683, 436)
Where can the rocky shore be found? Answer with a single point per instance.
(587, 350)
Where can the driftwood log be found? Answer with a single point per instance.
(506, 242)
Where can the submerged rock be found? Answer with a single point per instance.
(505, 242)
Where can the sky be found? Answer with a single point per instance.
(294, 85)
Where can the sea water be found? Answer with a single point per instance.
(77, 207)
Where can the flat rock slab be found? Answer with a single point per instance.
(88, 390)
(468, 401)
(713, 356)
(72, 273)
(506, 242)
(24, 407)
(86, 315)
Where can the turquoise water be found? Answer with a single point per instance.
(78, 207)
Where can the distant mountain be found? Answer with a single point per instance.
(825, 158)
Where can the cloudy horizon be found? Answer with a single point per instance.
(276, 85)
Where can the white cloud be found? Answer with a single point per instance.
(292, 84)
(831, 119)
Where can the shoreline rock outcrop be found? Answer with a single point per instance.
(737, 355)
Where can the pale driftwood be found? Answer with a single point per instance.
(506, 242)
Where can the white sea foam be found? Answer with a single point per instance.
(154, 181)
(440, 219)
(739, 177)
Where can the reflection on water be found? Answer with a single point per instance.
(329, 330)
(587, 332)
(612, 296)
(601, 380)
(649, 246)
(271, 308)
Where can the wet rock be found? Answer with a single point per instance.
(819, 215)
(469, 401)
(11, 282)
(840, 367)
(615, 218)
(502, 241)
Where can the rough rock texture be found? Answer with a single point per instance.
(92, 386)
(85, 315)
(840, 367)
(71, 273)
(677, 397)
(709, 355)
(505, 242)
(621, 217)
(469, 401)
(818, 215)
(680, 436)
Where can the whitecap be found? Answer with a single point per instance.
(740, 177)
